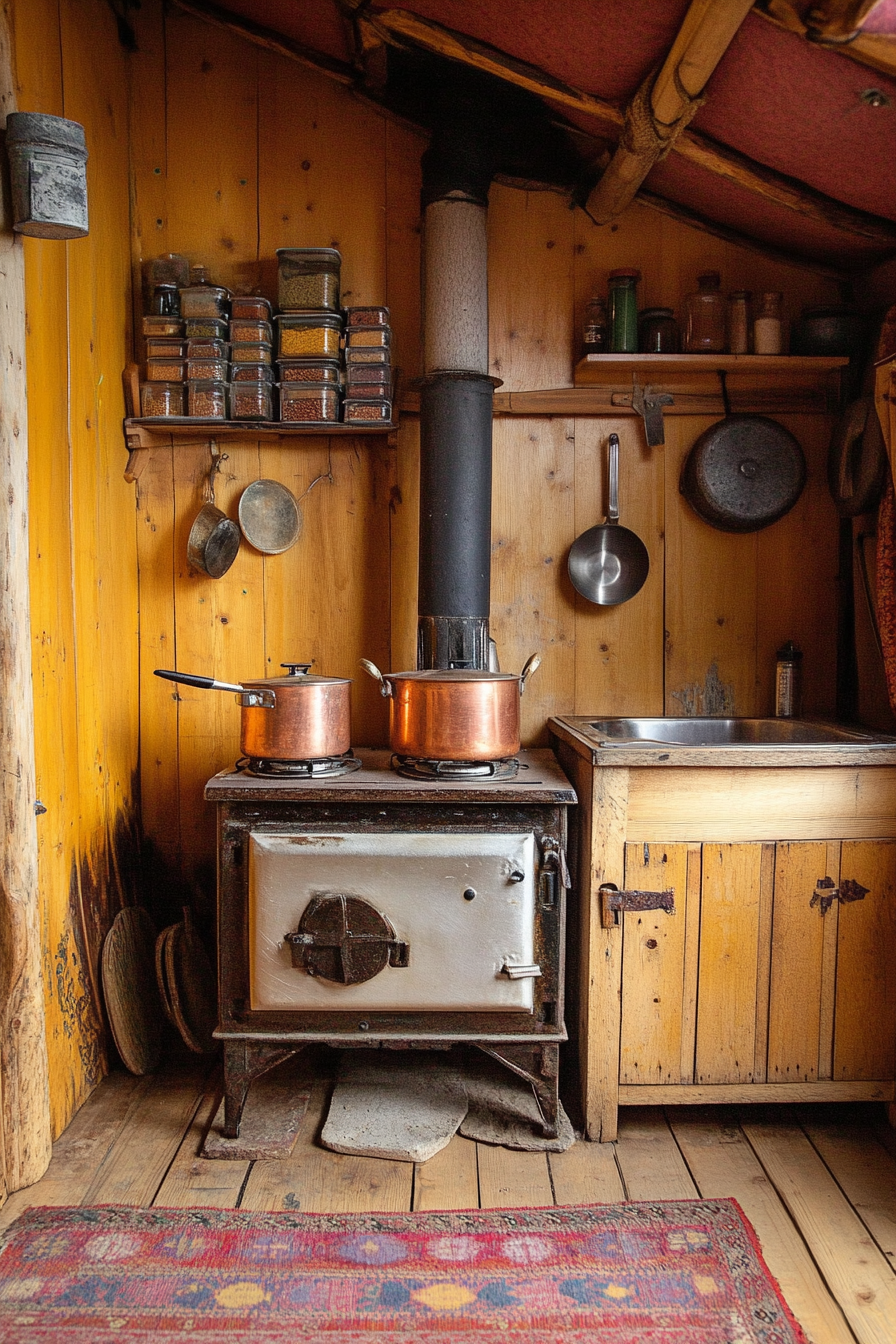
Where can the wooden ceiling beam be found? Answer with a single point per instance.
(877, 51)
(665, 103)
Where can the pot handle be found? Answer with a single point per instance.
(205, 683)
(372, 670)
(533, 662)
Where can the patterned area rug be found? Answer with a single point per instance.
(687, 1272)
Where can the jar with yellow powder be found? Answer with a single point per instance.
(308, 335)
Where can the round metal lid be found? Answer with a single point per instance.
(452, 674)
(270, 517)
(744, 473)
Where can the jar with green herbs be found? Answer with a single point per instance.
(308, 277)
(623, 311)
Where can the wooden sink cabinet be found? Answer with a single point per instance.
(758, 987)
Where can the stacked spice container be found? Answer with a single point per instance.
(204, 308)
(368, 367)
(309, 334)
(251, 351)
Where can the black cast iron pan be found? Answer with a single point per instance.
(744, 472)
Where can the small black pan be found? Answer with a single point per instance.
(609, 563)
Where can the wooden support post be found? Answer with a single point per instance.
(664, 105)
(25, 1140)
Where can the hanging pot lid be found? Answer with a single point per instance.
(270, 517)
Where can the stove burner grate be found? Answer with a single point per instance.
(417, 767)
(323, 767)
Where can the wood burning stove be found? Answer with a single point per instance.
(375, 911)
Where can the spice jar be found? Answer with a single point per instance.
(162, 326)
(308, 403)
(251, 373)
(368, 336)
(739, 321)
(162, 370)
(594, 333)
(207, 400)
(251, 352)
(367, 317)
(310, 334)
(165, 301)
(252, 401)
(309, 371)
(164, 347)
(203, 370)
(204, 300)
(623, 311)
(367, 412)
(704, 327)
(210, 328)
(308, 277)
(657, 331)
(250, 329)
(250, 306)
(768, 332)
(161, 399)
(358, 354)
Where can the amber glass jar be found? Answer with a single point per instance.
(704, 327)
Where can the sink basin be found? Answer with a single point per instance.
(712, 732)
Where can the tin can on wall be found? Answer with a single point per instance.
(48, 170)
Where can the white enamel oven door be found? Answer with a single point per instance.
(457, 946)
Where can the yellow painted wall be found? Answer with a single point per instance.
(83, 538)
(234, 152)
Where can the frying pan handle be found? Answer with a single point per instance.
(386, 687)
(533, 662)
(613, 509)
(204, 683)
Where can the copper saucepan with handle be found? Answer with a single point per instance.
(454, 714)
(293, 718)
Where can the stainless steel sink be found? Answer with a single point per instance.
(711, 732)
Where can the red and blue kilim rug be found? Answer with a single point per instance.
(687, 1272)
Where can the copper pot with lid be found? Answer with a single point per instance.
(454, 714)
(293, 718)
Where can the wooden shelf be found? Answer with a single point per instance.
(757, 384)
(143, 434)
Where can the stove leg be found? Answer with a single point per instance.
(243, 1062)
(540, 1066)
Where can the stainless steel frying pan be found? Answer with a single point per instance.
(609, 563)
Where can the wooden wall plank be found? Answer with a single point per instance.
(729, 931)
(865, 1010)
(653, 956)
(531, 523)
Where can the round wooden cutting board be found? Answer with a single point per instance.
(130, 990)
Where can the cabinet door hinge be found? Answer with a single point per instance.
(612, 901)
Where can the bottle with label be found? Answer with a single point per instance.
(704, 323)
(788, 681)
(739, 322)
(768, 332)
(594, 334)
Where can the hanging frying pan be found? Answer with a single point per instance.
(609, 563)
(270, 517)
(214, 538)
(744, 472)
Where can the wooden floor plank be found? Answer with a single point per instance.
(512, 1180)
(316, 1180)
(450, 1180)
(651, 1165)
(724, 1165)
(196, 1182)
(586, 1174)
(858, 1274)
(865, 1172)
(78, 1152)
(135, 1165)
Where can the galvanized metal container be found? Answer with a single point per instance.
(48, 169)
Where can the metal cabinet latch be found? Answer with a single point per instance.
(520, 972)
(612, 901)
(827, 892)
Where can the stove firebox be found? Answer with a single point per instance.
(374, 911)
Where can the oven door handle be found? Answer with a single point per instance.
(520, 972)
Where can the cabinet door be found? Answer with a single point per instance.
(804, 941)
(865, 1010)
(655, 1004)
(732, 990)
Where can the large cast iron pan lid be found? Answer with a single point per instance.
(744, 473)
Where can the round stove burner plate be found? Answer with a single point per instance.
(326, 767)
(415, 767)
